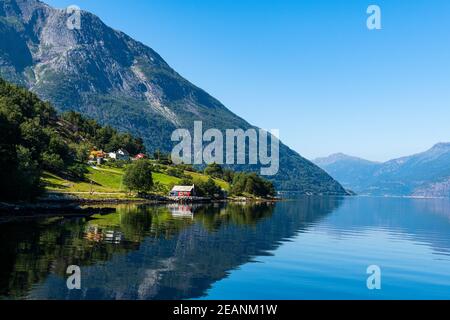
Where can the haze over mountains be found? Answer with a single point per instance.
(426, 174)
(104, 74)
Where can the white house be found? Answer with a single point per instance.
(120, 154)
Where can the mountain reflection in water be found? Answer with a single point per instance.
(145, 252)
(307, 248)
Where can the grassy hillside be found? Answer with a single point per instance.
(35, 139)
(41, 150)
(108, 181)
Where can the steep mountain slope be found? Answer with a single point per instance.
(351, 172)
(423, 174)
(106, 75)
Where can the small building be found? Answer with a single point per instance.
(120, 154)
(183, 191)
(96, 154)
(97, 157)
(140, 156)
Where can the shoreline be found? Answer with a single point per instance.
(73, 205)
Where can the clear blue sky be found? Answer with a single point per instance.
(309, 68)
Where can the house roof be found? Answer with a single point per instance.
(183, 189)
(123, 151)
(140, 155)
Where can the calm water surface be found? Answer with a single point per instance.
(308, 248)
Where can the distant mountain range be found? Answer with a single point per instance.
(106, 75)
(426, 174)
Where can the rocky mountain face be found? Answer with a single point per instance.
(426, 174)
(106, 75)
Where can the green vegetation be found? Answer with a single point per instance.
(107, 180)
(251, 183)
(214, 170)
(198, 177)
(242, 183)
(84, 242)
(35, 139)
(209, 189)
(138, 176)
(40, 150)
(71, 83)
(96, 180)
(102, 137)
(27, 142)
(104, 179)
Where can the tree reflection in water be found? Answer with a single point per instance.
(147, 252)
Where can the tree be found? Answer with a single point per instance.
(157, 155)
(23, 118)
(52, 162)
(214, 170)
(33, 138)
(105, 138)
(27, 175)
(187, 181)
(176, 172)
(138, 176)
(253, 184)
(81, 151)
(228, 175)
(208, 188)
(187, 167)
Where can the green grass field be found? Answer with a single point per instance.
(165, 179)
(109, 181)
(97, 180)
(221, 183)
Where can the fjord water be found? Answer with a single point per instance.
(307, 248)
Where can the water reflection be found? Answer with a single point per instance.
(143, 252)
(97, 234)
(305, 248)
(181, 211)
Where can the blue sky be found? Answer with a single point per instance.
(309, 68)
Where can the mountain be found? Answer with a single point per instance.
(424, 174)
(106, 75)
(351, 172)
